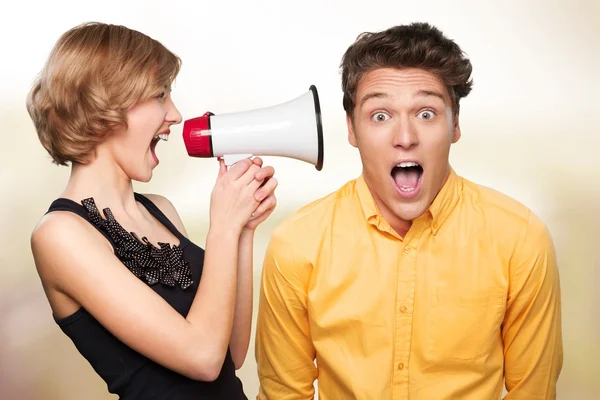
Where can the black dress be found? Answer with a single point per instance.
(174, 274)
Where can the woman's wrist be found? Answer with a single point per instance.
(224, 232)
(247, 233)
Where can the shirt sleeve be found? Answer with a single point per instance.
(531, 330)
(284, 351)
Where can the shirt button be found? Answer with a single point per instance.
(403, 309)
(401, 366)
(407, 249)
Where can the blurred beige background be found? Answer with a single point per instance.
(530, 129)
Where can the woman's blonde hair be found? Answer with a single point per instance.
(93, 75)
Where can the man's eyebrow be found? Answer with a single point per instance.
(420, 93)
(428, 93)
(373, 95)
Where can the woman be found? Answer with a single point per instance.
(125, 283)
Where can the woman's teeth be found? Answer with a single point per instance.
(162, 136)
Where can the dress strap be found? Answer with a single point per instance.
(62, 204)
(159, 215)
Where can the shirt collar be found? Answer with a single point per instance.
(441, 208)
(446, 200)
(365, 197)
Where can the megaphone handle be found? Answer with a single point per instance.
(231, 159)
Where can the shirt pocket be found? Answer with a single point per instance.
(464, 325)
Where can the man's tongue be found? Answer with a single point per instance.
(406, 178)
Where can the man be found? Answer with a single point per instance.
(409, 281)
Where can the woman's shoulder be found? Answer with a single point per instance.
(59, 224)
(57, 237)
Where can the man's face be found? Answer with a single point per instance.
(403, 127)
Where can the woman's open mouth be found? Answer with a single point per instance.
(154, 142)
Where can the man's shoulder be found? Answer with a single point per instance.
(509, 212)
(317, 212)
(494, 202)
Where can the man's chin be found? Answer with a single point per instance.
(410, 212)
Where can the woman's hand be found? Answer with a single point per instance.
(233, 199)
(265, 195)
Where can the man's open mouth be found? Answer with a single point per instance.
(407, 175)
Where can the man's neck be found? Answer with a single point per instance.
(400, 226)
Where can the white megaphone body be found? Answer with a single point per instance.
(292, 129)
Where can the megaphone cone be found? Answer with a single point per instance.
(292, 129)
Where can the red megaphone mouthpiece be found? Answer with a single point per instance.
(196, 136)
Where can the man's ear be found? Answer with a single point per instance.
(456, 130)
(351, 133)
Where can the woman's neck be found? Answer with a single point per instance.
(106, 182)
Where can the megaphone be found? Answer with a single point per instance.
(292, 129)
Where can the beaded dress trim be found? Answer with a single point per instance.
(151, 264)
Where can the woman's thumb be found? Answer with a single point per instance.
(222, 167)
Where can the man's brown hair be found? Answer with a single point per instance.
(94, 74)
(418, 45)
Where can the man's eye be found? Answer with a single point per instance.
(426, 114)
(161, 95)
(380, 117)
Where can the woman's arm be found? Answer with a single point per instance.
(73, 258)
(242, 320)
(242, 323)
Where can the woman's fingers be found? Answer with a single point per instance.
(264, 173)
(266, 205)
(266, 190)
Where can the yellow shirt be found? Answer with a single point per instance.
(470, 297)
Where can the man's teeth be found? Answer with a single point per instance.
(162, 136)
(407, 164)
